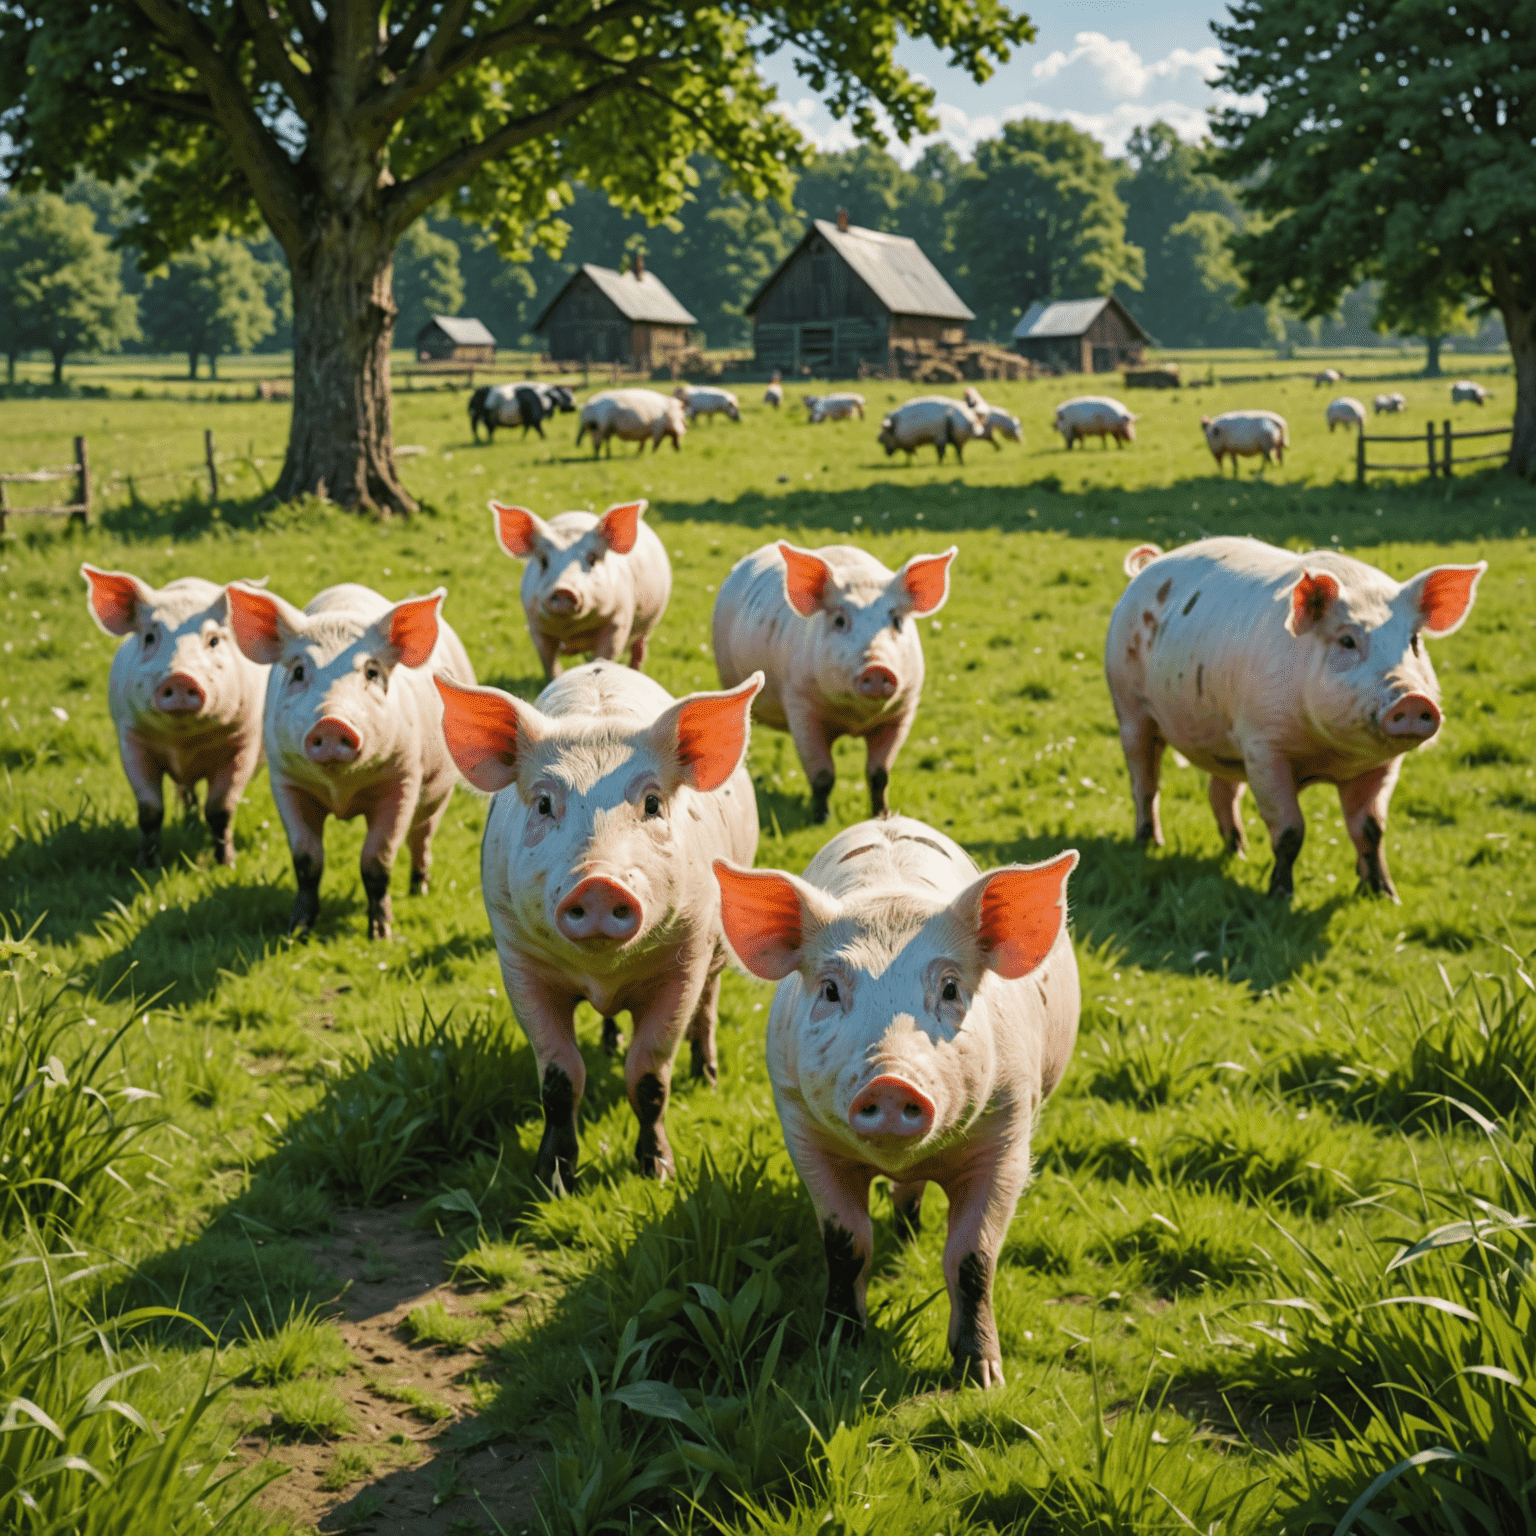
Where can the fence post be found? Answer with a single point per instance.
(82, 483)
(213, 469)
(1360, 457)
(1429, 439)
(1446, 456)
(2, 507)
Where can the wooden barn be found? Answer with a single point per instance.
(603, 316)
(1081, 335)
(844, 295)
(444, 339)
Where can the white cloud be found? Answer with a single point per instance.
(1120, 68)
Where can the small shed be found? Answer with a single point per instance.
(444, 339)
(844, 296)
(1081, 335)
(604, 316)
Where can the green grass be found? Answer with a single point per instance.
(1198, 1318)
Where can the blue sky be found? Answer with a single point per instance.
(1106, 66)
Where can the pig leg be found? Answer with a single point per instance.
(658, 1026)
(1225, 796)
(981, 1204)
(637, 652)
(701, 1033)
(549, 1021)
(226, 784)
(839, 1192)
(1143, 747)
(548, 647)
(304, 822)
(419, 841)
(814, 745)
(1364, 801)
(146, 778)
(1274, 790)
(610, 642)
(908, 1200)
(882, 744)
(388, 823)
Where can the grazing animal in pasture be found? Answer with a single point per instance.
(699, 401)
(633, 416)
(933, 421)
(1388, 405)
(527, 404)
(1465, 392)
(1095, 416)
(774, 394)
(1345, 411)
(843, 407)
(1247, 434)
(1326, 376)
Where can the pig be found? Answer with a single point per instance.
(1326, 376)
(774, 394)
(993, 419)
(524, 405)
(612, 799)
(1279, 670)
(1464, 392)
(932, 420)
(1390, 404)
(183, 699)
(832, 632)
(1345, 411)
(841, 407)
(634, 416)
(1247, 433)
(1095, 416)
(591, 584)
(923, 1013)
(351, 729)
(707, 402)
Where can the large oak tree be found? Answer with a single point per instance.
(340, 123)
(1396, 139)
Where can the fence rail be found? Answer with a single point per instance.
(79, 472)
(1448, 457)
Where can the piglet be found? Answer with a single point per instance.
(351, 728)
(590, 584)
(924, 1012)
(184, 699)
(832, 631)
(611, 800)
(1279, 670)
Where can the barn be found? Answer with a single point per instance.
(844, 295)
(1081, 335)
(603, 316)
(444, 339)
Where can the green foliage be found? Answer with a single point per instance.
(428, 282)
(211, 299)
(307, 1409)
(301, 1345)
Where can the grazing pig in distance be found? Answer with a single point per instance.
(993, 419)
(1245, 434)
(1326, 376)
(590, 584)
(1465, 392)
(774, 394)
(633, 416)
(1346, 411)
(1095, 416)
(351, 728)
(923, 1014)
(1279, 670)
(183, 698)
(934, 421)
(707, 402)
(842, 407)
(524, 405)
(612, 799)
(1390, 404)
(832, 631)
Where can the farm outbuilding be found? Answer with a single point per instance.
(444, 339)
(603, 316)
(1081, 335)
(844, 296)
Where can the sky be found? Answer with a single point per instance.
(1105, 66)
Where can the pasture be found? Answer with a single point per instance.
(1221, 1303)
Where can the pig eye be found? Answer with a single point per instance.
(298, 672)
(149, 639)
(950, 991)
(1348, 642)
(653, 805)
(1414, 642)
(372, 673)
(829, 992)
(213, 640)
(593, 556)
(543, 562)
(545, 809)
(839, 621)
(896, 622)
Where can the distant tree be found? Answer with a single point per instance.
(1429, 317)
(1041, 218)
(427, 279)
(59, 283)
(211, 299)
(1396, 139)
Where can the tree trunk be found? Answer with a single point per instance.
(58, 368)
(192, 364)
(339, 440)
(1432, 362)
(1520, 324)
(10, 367)
(213, 365)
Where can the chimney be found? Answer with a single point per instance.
(637, 264)
(842, 220)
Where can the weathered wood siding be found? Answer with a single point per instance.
(585, 323)
(1105, 347)
(819, 314)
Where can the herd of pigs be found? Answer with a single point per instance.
(924, 1008)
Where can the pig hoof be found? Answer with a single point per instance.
(149, 855)
(419, 882)
(613, 1037)
(557, 1174)
(978, 1371)
(306, 908)
(378, 926)
(1146, 835)
(702, 1064)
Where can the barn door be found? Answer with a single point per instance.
(1103, 359)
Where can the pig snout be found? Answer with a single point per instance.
(332, 741)
(599, 908)
(876, 682)
(1415, 717)
(561, 601)
(179, 694)
(890, 1106)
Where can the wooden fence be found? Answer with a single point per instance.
(79, 472)
(1448, 457)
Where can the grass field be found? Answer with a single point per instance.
(1278, 1243)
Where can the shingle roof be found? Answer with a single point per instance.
(895, 269)
(1067, 317)
(645, 298)
(463, 332)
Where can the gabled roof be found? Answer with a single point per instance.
(1069, 317)
(645, 298)
(462, 332)
(893, 266)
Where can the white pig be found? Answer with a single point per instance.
(184, 700)
(590, 584)
(774, 394)
(924, 1012)
(611, 800)
(1390, 404)
(1097, 416)
(833, 632)
(1345, 411)
(1326, 376)
(1246, 434)
(633, 416)
(707, 402)
(1465, 392)
(1279, 670)
(934, 421)
(843, 407)
(351, 729)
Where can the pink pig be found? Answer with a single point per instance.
(832, 631)
(351, 729)
(1279, 670)
(923, 1014)
(184, 699)
(611, 800)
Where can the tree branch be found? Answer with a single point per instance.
(273, 53)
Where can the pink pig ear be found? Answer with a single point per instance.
(620, 525)
(805, 578)
(926, 581)
(1445, 595)
(486, 730)
(115, 598)
(263, 623)
(1310, 598)
(768, 917)
(1019, 912)
(517, 529)
(411, 627)
(705, 734)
